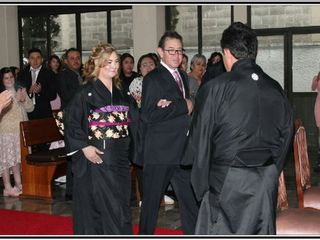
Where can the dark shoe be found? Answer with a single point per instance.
(68, 197)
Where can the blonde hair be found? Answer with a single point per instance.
(97, 60)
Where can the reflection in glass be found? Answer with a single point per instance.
(271, 57)
(305, 60)
(93, 31)
(183, 19)
(215, 18)
(63, 32)
(34, 35)
(121, 26)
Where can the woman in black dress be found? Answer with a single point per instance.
(97, 136)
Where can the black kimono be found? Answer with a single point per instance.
(240, 133)
(101, 192)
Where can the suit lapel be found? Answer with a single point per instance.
(170, 79)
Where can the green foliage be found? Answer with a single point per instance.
(34, 33)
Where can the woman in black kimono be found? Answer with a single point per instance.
(96, 131)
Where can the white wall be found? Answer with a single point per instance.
(148, 27)
(9, 40)
(240, 13)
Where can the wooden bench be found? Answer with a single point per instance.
(40, 168)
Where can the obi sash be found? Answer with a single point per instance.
(108, 122)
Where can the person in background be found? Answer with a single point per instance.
(10, 119)
(198, 68)
(126, 70)
(40, 85)
(316, 87)
(155, 57)
(214, 58)
(69, 81)
(54, 64)
(215, 67)
(184, 64)
(96, 129)
(238, 141)
(70, 78)
(15, 70)
(164, 121)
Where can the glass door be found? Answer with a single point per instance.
(271, 56)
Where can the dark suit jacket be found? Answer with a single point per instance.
(46, 78)
(163, 131)
(68, 84)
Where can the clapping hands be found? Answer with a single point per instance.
(5, 99)
(35, 88)
(21, 94)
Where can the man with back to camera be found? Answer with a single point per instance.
(69, 81)
(165, 119)
(239, 137)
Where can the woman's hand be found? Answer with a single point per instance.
(163, 103)
(5, 99)
(21, 94)
(92, 154)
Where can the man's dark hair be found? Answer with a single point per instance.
(33, 50)
(241, 40)
(72, 50)
(169, 34)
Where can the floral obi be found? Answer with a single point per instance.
(108, 122)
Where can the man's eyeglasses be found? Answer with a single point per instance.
(173, 52)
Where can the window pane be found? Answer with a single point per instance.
(277, 16)
(63, 33)
(121, 27)
(93, 31)
(184, 21)
(215, 19)
(34, 35)
(306, 55)
(271, 57)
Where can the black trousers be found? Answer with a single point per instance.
(69, 178)
(155, 182)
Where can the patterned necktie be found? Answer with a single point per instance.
(178, 79)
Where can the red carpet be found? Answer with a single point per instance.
(27, 223)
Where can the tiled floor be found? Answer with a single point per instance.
(168, 215)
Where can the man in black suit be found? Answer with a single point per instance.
(69, 80)
(40, 85)
(165, 119)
